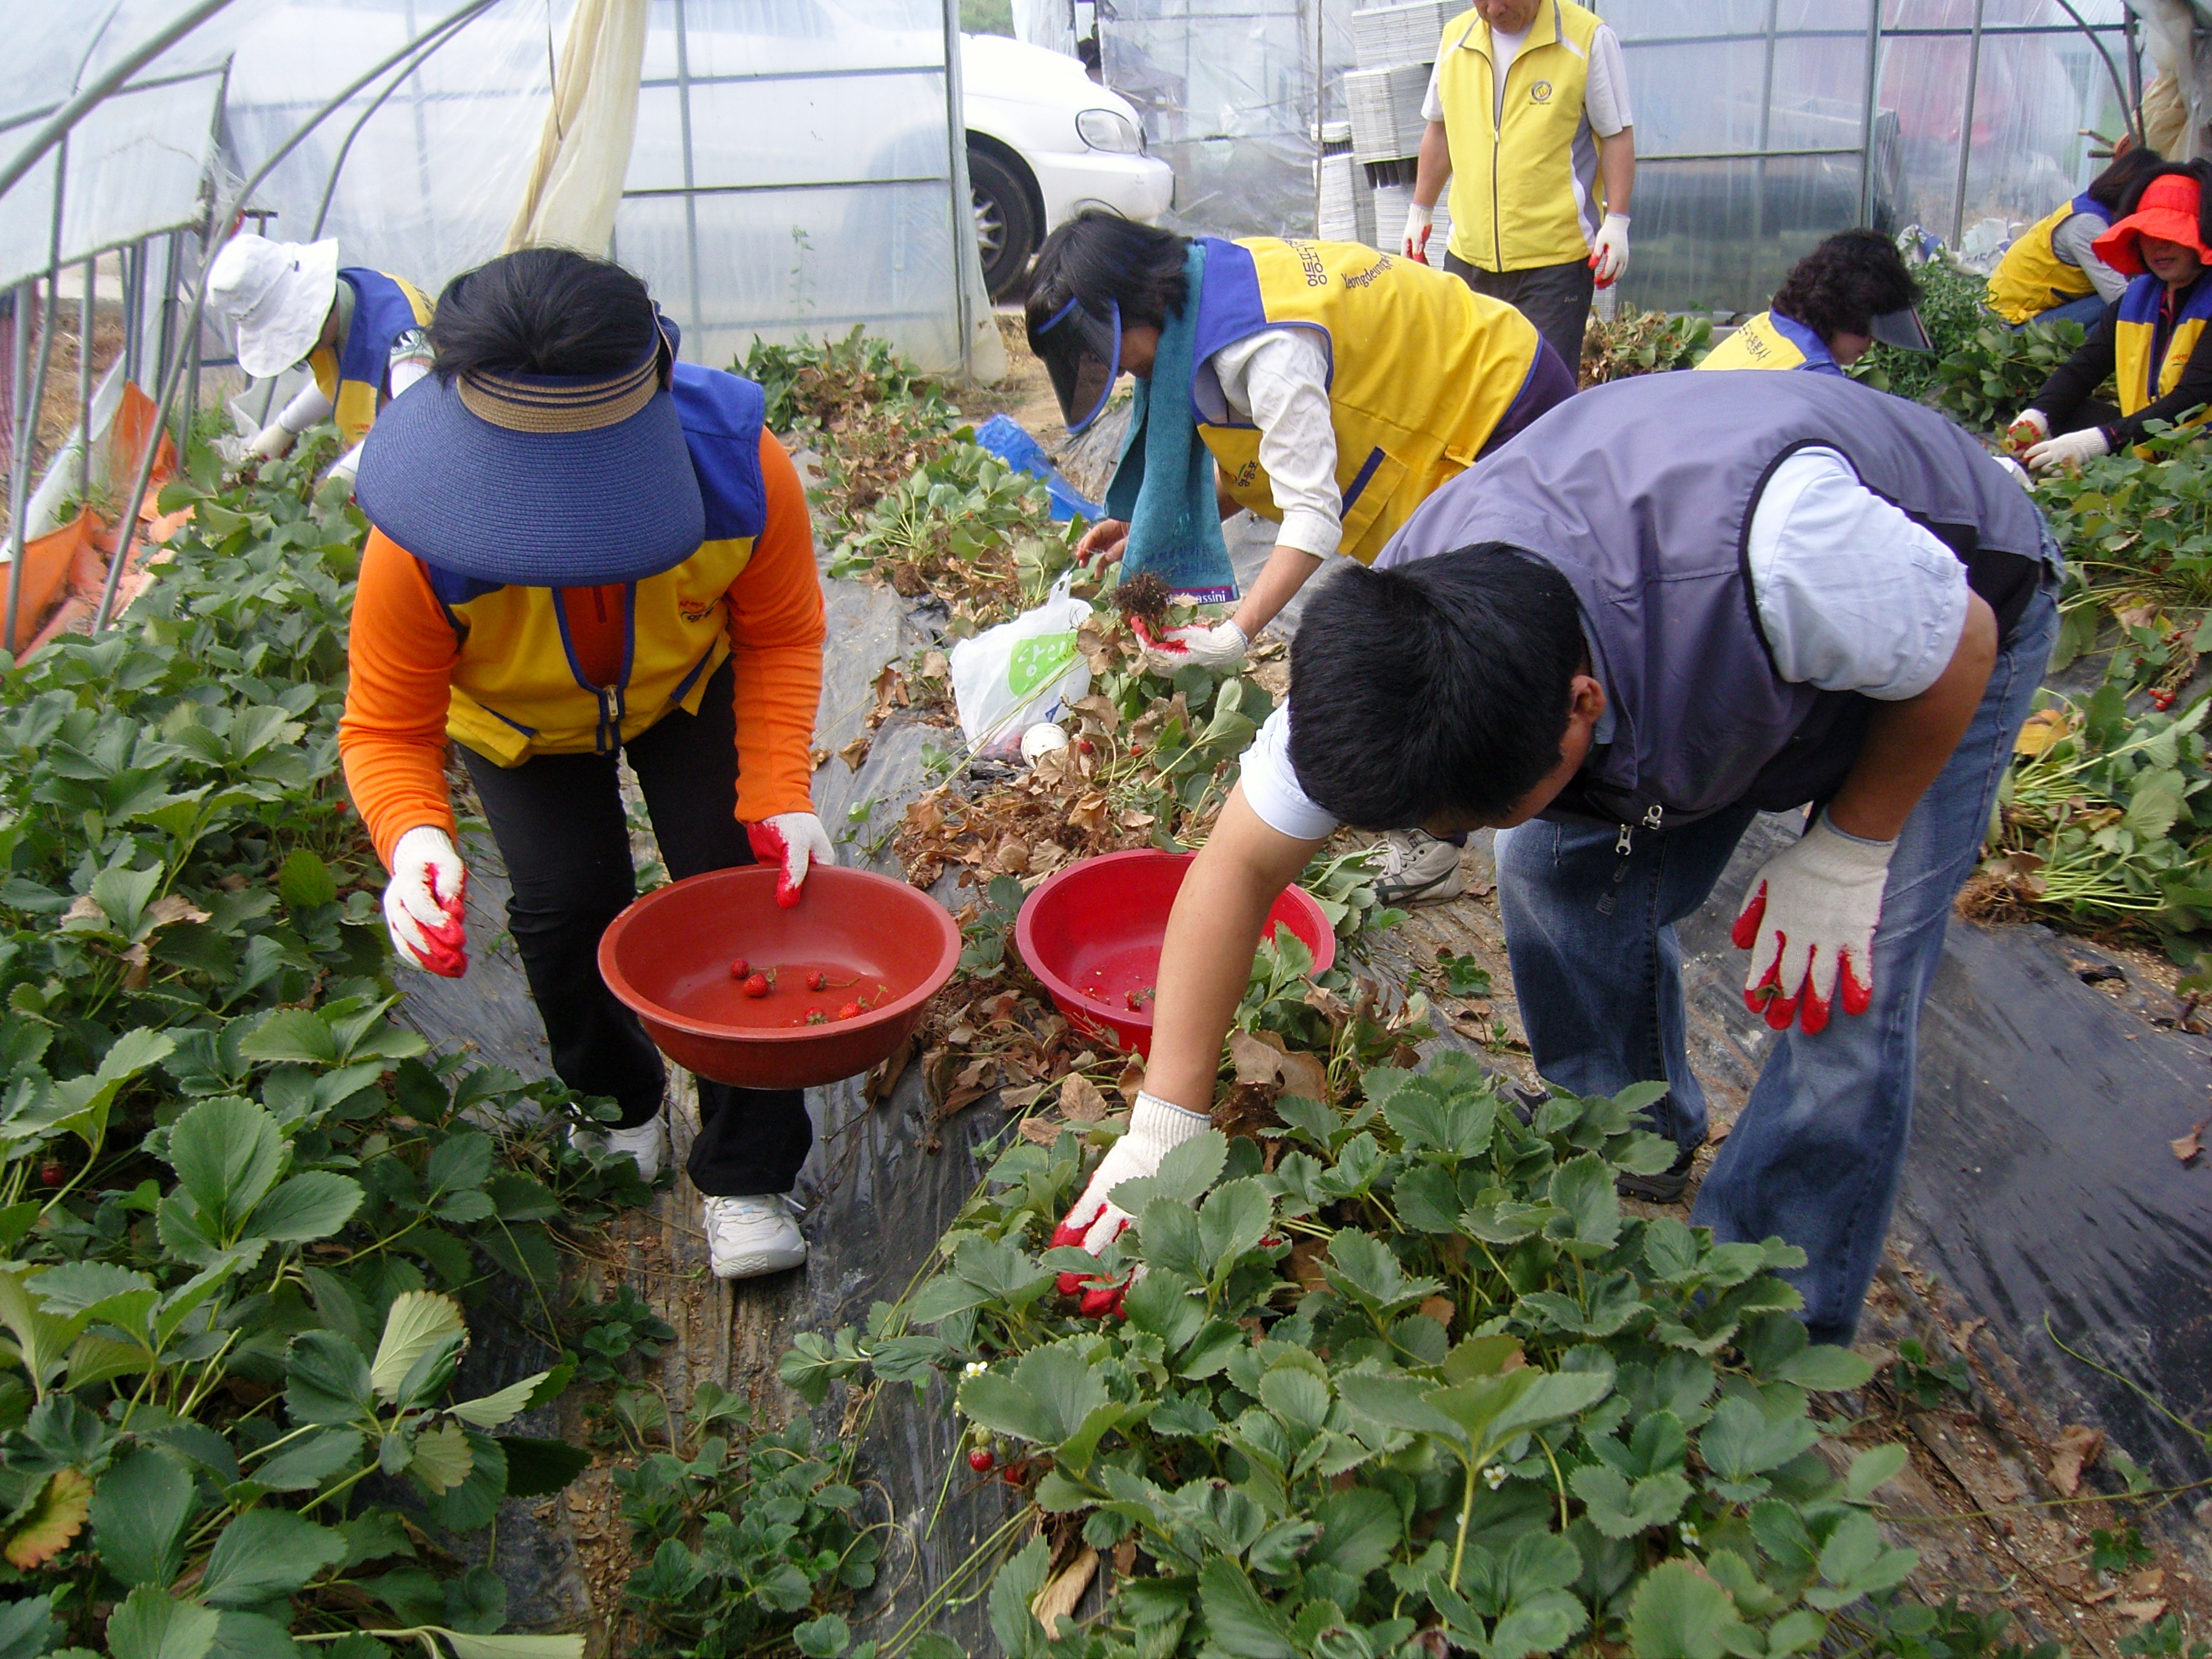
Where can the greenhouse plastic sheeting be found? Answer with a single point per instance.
(135, 162)
(1753, 139)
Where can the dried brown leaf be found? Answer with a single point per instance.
(171, 908)
(1080, 1101)
(2142, 1610)
(1256, 1061)
(2074, 1450)
(855, 752)
(2187, 1146)
(1440, 1308)
(1058, 1599)
(1040, 1131)
(84, 908)
(1132, 1079)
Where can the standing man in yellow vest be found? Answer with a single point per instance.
(1529, 120)
(361, 333)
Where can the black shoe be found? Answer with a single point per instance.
(1665, 1188)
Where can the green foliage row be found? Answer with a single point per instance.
(1410, 1376)
(245, 1215)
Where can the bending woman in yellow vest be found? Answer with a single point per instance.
(2051, 272)
(584, 551)
(360, 332)
(2152, 342)
(1837, 302)
(1335, 387)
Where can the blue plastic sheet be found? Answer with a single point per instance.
(1010, 441)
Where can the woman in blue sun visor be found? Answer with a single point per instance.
(1324, 385)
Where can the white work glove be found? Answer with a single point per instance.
(1419, 221)
(272, 440)
(1812, 912)
(791, 841)
(425, 903)
(1095, 1220)
(1194, 642)
(2014, 471)
(2030, 426)
(1610, 259)
(346, 465)
(2069, 449)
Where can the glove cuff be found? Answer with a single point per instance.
(429, 841)
(1615, 218)
(1841, 844)
(1155, 1126)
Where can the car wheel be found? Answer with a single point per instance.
(1006, 223)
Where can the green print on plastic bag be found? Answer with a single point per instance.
(1039, 660)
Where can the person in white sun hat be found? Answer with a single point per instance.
(361, 333)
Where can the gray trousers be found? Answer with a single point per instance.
(1556, 298)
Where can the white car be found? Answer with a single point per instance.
(1045, 141)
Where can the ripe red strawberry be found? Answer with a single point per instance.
(850, 1011)
(756, 986)
(816, 979)
(740, 968)
(981, 1460)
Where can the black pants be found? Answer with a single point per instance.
(1556, 298)
(558, 820)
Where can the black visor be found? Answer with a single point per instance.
(1083, 355)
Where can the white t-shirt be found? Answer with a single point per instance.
(1277, 379)
(1605, 87)
(1853, 597)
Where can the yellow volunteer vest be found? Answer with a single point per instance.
(1423, 370)
(2135, 332)
(516, 692)
(2031, 278)
(1515, 194)
(352, 375)
(1768, 341)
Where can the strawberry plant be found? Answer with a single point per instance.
(1396, 1375)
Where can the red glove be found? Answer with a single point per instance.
(425, 903)
(1095, 1220)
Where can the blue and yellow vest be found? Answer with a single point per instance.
(1426, 370)
(352, 377)
(517, 689)
(2031, 278)
(1770, 340)
(1524, 189)
(2142, 371)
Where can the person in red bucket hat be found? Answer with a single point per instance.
(2152, 341)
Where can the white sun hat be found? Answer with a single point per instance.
(278, 294)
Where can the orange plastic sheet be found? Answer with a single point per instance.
(65, 570)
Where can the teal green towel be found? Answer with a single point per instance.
(1163, 484)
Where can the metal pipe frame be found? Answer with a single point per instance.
(19, 486)
(962, 193)
(85, 311)
(1966, 125)
(1867, 110)
(230, 212)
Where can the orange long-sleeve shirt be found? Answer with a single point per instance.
(402, 650)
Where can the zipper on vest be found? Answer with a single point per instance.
(1653, 818)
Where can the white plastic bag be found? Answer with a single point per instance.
(1009, 678)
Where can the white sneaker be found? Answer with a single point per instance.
(1417, 869)
(647, 1144)
(749, 1236)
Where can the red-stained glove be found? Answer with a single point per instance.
(1810, 923)
(793, 842)
(425, 903)
(1095, 1221)
(1420, 222)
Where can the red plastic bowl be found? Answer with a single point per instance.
(1093, 934)
(668, 957)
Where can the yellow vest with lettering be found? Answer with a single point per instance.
(1773, 341)
(1422, 370)
(1520, 197)
(352, 375)
(2031, 278)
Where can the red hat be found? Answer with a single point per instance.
(2168, 211)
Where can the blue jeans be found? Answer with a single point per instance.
(2085, 311)
(1598, 970)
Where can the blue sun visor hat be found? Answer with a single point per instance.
(538, 480)
(1083, 355)
(1902, 329)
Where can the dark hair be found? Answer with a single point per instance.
(2125, 174)
(1844, 284)
(1438, 686)
(2201, 170)
(542, 311)
(1098, 257)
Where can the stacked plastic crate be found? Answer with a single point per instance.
(1396, 47)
